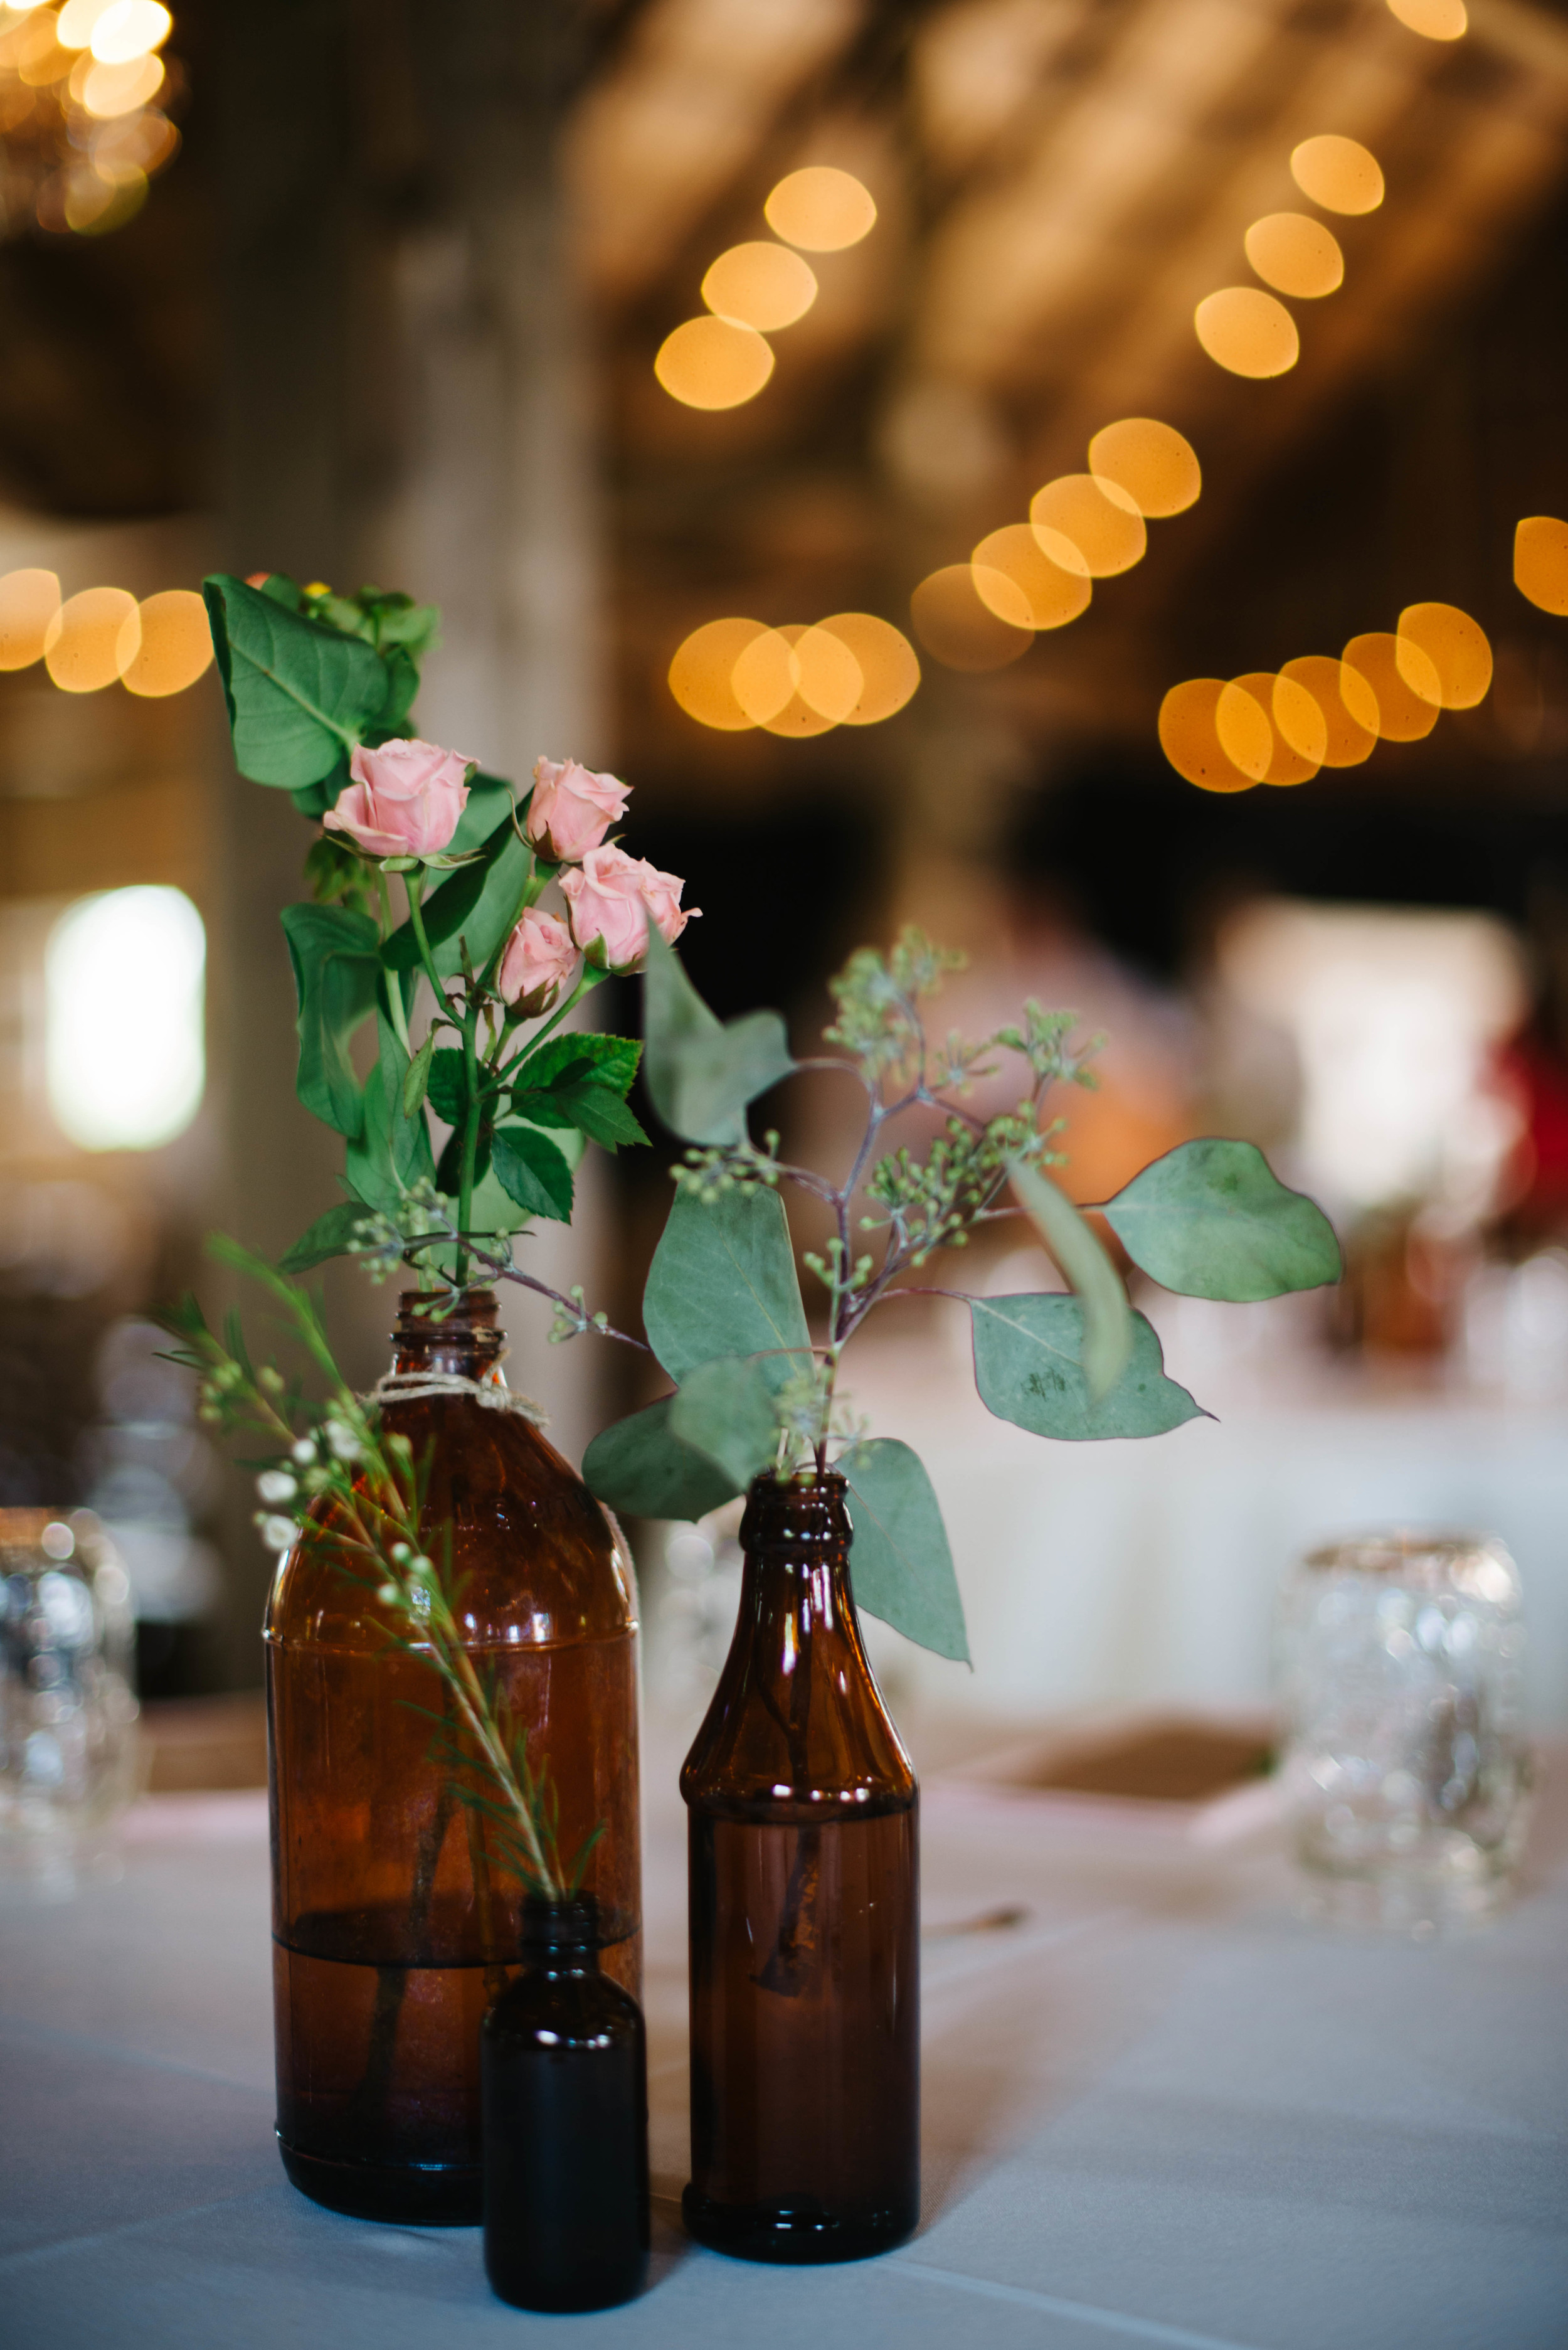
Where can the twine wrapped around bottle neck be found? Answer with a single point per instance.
(417, 1386)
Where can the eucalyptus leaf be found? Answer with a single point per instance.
(330, 1235)
(533, 1172)
(701, 1074)
(1212, 1219)
(722, 1282)
(337, 973)
(1108, 1316)
(726, 1409)
(640, 1465)
(298, 695)
(1029, 1368)
(901, 1567)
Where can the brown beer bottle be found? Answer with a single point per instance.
(804, 1928)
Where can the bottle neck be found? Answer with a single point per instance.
(561, 1938)
(463, 1341)
(795, 1583)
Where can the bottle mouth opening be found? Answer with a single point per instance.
(561, 1925)
(429, 1311)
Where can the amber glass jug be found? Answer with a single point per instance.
(804, 1914)
(392, 1928)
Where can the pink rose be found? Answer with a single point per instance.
(612, 897)
(571, 809)
(539, 965)
(405, 799)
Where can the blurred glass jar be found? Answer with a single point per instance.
(67, 1716)
(1400, 1674)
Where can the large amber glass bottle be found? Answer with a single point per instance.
(805, 1915)
(393, 1929)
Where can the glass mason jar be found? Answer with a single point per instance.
(803, 1825)
(393, 1929)
(67, 1716)
(1400, 1671)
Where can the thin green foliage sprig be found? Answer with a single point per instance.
(332, 1477)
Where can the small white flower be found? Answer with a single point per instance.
(345, 1444)
(277, 1485)
(278, 1533)
(304, 1449)
(388, 1595)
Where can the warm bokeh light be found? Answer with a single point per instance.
(1286, 765)
(128, 29)
(764, 676)
(1348, 704)
(795, 718)
(1247, 332)
(167, 646)
(702, 675)
(1151, 461)
(827, 675)
(107, 91)
(1296, 256)
(953, 623)
(29, 603)
(821, 209)
(1189, 737)
(713, 363)
(1088, 525)
(1435, 20)
(94, 205)
(88, 637)
(1299, 722)
(1540, 562)
(762, 285)
(1455, 646)
(78, 20)
(889, 672)
(1245, 734)
(1405, 713)
(1020, 583)
(124, 1055)
(1338, 173)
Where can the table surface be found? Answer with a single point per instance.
(1158, 2109)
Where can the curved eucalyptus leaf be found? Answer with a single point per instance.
(1028, 1366)
(901, 1567)
(336, 971)
(640, 1465)
(701, 1074)
(1108, 1316)
(298, 695)
(1211, 1219)
(722, 1282)
(726, 1409)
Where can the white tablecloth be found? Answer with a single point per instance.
(1159, 2110)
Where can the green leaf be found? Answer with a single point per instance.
(392, 1150)
(403, 688)
(1028, 1366)
(479, 903)
(722, 1282)
(901, 1567)
(702, 1075)
(450, 907)
(640, 1466)
(336, 971)
(417, 1082)
(298, 695)
(533, 1172)
(1212, 1219)
(448, 1087)
(1108, 1316)
(489, 806)
(579, 1053)
(330, 1235)
(726, 1409)
(598, 1111)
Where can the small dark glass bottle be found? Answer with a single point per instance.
(805, 1904)
(564, 2087)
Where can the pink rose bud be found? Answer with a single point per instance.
(539, 965)
(571, 809)
(612, 897)
(405, 799)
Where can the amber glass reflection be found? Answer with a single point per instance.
(803, 1886)
(393, 1929)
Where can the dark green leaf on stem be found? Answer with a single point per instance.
(1028, 1366)
(901, 1567)
(479, 903)
(392, 1150)
(330, 1235)
(1212, 1219)
(582, 1054)
(533, 1172)
(417, 1082)
(488, 808)
(726, 1409)
(722, 1282)
(640, 1466)
(448, 1087)
(596, 1110)
(298, 695)
(700, 1073)
(336, 971)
